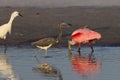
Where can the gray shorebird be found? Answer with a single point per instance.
(46, 43)
(6, 28)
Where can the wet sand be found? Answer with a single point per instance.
(38, 23)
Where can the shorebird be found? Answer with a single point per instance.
(46, 43)
(83, 36)
(6, 28)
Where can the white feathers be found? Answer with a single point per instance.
(45, 47)
(6, 28)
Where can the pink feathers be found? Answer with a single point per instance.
(83, 35)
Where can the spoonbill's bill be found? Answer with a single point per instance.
(83, 36)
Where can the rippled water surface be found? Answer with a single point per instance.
(19, 63)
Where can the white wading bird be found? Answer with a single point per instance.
(6, 28)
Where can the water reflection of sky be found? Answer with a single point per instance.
(20, 61)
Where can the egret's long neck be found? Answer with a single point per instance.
(10, 23)
(11, 19)
(59, 32)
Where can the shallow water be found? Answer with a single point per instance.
(19, 63)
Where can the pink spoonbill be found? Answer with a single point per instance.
(83, 35)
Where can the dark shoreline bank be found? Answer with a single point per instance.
(39, 23)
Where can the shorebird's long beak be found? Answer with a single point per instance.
(66, 24)
(69, 24)
(20, 15)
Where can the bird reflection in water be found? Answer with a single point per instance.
(85, 65)
(48, 69)
(6, 71)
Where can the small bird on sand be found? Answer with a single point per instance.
(6, 28)
(83, 36)
(46, 43)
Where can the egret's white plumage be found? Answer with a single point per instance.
(6, 28)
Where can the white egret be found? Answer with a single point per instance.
(6, 28)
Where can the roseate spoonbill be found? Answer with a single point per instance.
(6, 28)
(46, 43)
(83, 36)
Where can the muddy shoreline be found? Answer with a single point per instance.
(38, 23)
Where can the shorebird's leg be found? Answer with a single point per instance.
(79, 47)
(5, 45)
(91, 46)
(46, 54)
